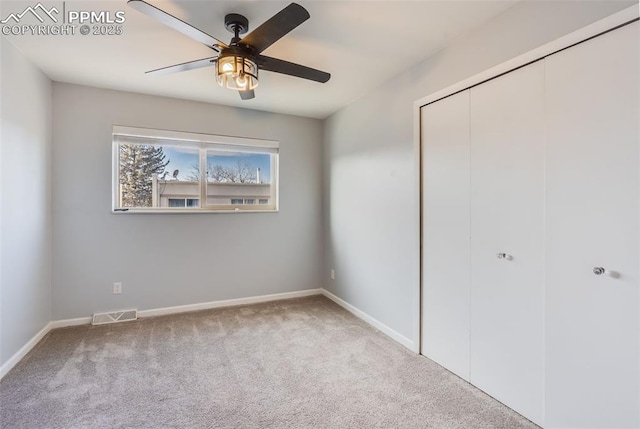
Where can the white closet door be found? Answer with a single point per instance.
(507, 215)
(592, 221)
(445, 226)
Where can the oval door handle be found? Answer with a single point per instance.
(598, 271)
(504, 256)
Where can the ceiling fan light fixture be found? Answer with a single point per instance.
(237, 72)
(237, 63)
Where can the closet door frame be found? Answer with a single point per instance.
(610, 23)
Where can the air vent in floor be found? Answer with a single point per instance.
(114, 317)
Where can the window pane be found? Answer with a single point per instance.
(153, 175)
(242, 177)
(158, 170)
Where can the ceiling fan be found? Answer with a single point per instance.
(238, 62)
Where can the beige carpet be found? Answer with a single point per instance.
(300, 363)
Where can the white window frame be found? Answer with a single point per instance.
(202, 142)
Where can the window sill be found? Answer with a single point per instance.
(189, 211)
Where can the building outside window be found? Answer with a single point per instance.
(156, 170)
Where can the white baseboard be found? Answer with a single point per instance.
(227, 303)
(9, 364)
(410, 344)
(17, 357)
(70, 322)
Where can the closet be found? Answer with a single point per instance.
(530, 235)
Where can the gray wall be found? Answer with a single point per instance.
(371, 195)
(25, 198)
(173, 259)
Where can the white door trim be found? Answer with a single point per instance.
(609, 23)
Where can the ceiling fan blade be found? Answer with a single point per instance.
(176, 23)
(247, 95)
(276, 27)
(292, 69)
(205, 62)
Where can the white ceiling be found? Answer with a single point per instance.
(361, 43)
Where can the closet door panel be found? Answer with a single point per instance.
(445, 226)
(592, 359)
(507, 215)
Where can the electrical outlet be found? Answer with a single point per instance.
(117, 288)
(333, 274)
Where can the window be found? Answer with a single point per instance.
(170, 171)
(247, 201)
(184, 202)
